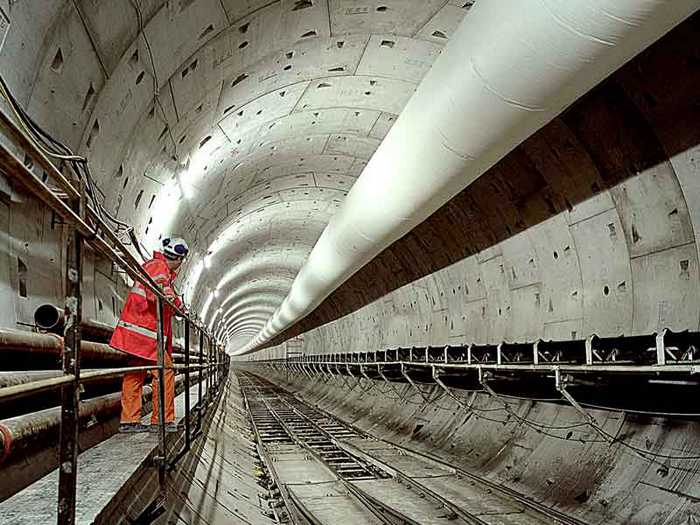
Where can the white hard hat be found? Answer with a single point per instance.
(175, 247)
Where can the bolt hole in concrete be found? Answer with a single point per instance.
(302, 4)
(606, 290)
(22, 278)
(206, 31)
(138, 200)
(57, 62)
(240, 78)
(89, 96)
(93, 133)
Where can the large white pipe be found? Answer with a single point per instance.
(507, 71)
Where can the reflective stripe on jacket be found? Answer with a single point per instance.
(137, 330)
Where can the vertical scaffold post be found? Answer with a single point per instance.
(162, 459)
(70, 394)
(188, 438)
(209, 377)
(199, 387)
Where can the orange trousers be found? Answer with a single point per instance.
(132, 389)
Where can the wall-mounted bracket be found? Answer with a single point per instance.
(408, 378)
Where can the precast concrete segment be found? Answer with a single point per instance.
(385, 472)
(246, 312)
(247, 328)
(485, 94)
(264, 298)
(257, 319)
(272, 285)
(247, 318)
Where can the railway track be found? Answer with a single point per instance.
(330, 472)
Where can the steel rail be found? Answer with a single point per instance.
(266, 459)
(395, 473)
(359, 495)
(383, 512)
(558, 517)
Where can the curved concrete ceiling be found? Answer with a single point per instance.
(240, 126)
(256, 300)
(254, 316)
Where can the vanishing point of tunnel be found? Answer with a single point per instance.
(329, 262)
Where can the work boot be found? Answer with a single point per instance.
(169, 427)
(131, 428)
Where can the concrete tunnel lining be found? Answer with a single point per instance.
(588, 226)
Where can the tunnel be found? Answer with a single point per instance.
(441, 261)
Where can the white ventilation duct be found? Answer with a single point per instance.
(508, 70)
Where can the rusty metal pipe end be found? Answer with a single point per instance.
(48, 317)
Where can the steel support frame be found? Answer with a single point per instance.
(161, 457)
(78, 215)
(188, 435)
(200, 402)
(386, 380)
(441, 384)
(70, 393)
(413, 384)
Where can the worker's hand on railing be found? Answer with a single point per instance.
(185, 308)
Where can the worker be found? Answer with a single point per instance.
(136, 334)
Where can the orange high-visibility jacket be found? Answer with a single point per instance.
(137, 330)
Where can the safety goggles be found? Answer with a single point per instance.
(180, 250)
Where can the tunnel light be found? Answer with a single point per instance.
(205, 308)
(207, 261)
(213, 319)
(194, 170)
(163, 213)
(192, 280)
